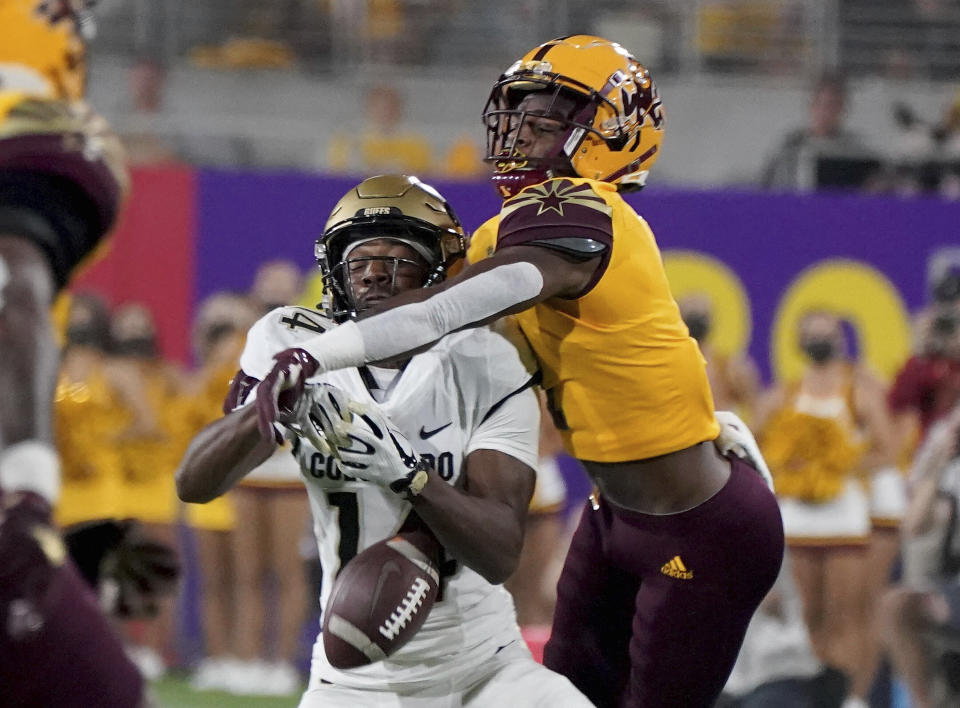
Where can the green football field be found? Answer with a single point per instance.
(175, 692)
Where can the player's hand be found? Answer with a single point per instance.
(129, 571)
(365, 442)
(736, 439)
(30, 551)
(280, 395)
(323, 418)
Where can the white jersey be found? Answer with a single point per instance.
(470, 391)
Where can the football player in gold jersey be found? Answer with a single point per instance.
(62, 181)
(680, 543)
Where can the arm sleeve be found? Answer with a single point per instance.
(410, 327)
(513, 429)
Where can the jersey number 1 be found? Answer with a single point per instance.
(349, 521)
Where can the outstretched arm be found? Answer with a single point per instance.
(221, 455)
(512, 280)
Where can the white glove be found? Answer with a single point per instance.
(365, 442)
(736, 439)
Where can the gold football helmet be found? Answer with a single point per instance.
(609, 105)
(395, 207)
(41, 47)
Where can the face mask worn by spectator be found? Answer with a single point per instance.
(139, 347)
(820, 349)
(699, 325)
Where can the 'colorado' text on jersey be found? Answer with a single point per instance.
(469, 391)
(624, 379)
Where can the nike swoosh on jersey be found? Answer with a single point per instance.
(427, 434)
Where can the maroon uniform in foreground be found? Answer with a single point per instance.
(56, 647)
(631, 576)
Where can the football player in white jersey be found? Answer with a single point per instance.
(466, 408)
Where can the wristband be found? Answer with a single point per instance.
(411, 485)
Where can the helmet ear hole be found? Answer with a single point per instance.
(618, 142)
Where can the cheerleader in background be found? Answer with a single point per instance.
(87, 417)
(150, 446)
(218, 336)
(822, 436)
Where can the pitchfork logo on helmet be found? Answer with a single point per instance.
(42, 46)
(395, 207)
(609, 106)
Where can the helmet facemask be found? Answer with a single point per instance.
(80, 11)
(335, 255)
(506, 118)
(577, 112)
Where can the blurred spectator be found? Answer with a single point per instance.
(928, 385)
(826, 431)
(150, 445)
(734, 379)
(926, 156)
(464, 159)
(776, 666)
(272, 502)
(382, 144)
(219, 332)
(276, 284)
(734, 35)
(143, 131)
(822, 154)
(921, 616)
(87, 417)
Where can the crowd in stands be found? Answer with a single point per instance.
(826, 154)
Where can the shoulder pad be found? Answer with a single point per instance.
(279, 329)
(556, 209)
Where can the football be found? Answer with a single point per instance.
(380, 599)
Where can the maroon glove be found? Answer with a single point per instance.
(279, 394)
(30, 552)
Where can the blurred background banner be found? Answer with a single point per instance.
(150, 258)
(762, 259)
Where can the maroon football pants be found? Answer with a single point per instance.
(652, 609)
(56, 646)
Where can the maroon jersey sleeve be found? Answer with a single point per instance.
(908, 388)
(557, 213)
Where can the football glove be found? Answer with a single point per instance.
(129, 571)
(364, 440)
(280, 395)
(736, 439)
(31, 551)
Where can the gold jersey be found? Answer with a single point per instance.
(41, 52)
(624, 379)
(88, 417)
